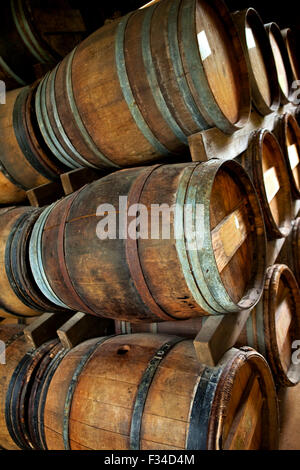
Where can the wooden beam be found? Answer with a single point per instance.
(76, 179)
(45, 194)
(45, 327)
(82, 327)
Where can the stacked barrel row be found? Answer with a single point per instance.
(130, 95)
(167, 71)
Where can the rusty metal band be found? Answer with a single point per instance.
(143, 390)
(11, 73)
(13, 338)
(103, 160)
(21, 134)
(127, 90)
(49, 134)
(27, 35)
(36, 261)
(201, 409)
(60, 128)
(73, 383)
(153, 80)
(60, 243)
(132, 253)
(173, 42)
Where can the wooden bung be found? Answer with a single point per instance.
(287, 132)
(127, 392)
(265, 163)
(36, 33)
(260, 60)
(167, 71)
(25, 160)
(290, 253)
(283, 65)
(291, 45)
(163, 275)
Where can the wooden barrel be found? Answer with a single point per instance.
(167, 71)
(265, 163)
(217, 267)
(283, 66)
(25, 160)
(186, 328)
(289, 406)
(260, 61)
(290, 253)
(19, 296)
(36, 32)
(291, 46)
(274, 325)
(15, 349)
(287, 132)
(149, 392)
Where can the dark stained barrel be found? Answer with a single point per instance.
(167, 71)
(274, 325)
(265, 163)
(260, 60)
(15, 349)
(293, 52)
(19, 295)
(283, 66)
(25, 160)
(101, 397)
(36, 32)
(217, 267)
(290, 253)
(287, 132)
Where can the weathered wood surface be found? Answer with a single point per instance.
(45, 328)
(45, 194)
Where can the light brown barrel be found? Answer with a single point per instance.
(287, 132)
(260, 60)
(290, 253)
(15, 349)
(206, 258)
(11, 304)
(25, 161)
(100, 397)
(167, 71)
(289, 406)
(265, 163)
(291, 45)
(36, 32)
(283, 66)
(274, 325)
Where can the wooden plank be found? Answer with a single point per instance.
(76, 179)
(45, 194)
(272, 185)
(217, 335)
(246, 419)
(45, 327)
(213, 143)
(228, 236)
(82, 327)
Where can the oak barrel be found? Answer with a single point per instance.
(167, 71)
(149, 392)
(185, 328)
(293, 52)
(25, 160)
(274, 325)
(260, 60)
(283, 66)
(289, 406)
(15, 349)
(19, 295)
(290, 253)
(200, 251)
(36, 32)
(265, 163)
(287, 132)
